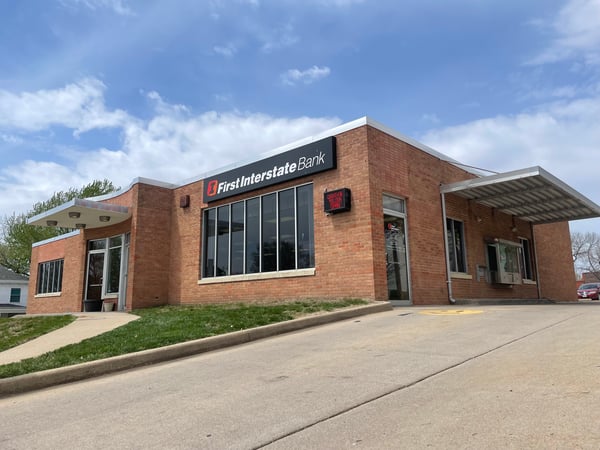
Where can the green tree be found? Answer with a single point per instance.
(18, 236)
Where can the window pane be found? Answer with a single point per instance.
(237, 238)
(393, 203)
(223, 240)
(269, 233)
(253, 235)
(305, 221)
(15, 295)
(60, 264)
(98, 244)
(525, 255)
(459, 246)
(40, 280)
(114, 270)
(287, 230)
(115, 241)
(456, 249)
(209, 242)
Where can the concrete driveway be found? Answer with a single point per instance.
(443, 377)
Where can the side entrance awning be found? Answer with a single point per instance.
(82, 213)
(530, 194)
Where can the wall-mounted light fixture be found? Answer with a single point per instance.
(104, 218)
(74, 214)
(184, 201)
(51, 223)
(80, 225)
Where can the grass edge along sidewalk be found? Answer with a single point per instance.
(46, 378)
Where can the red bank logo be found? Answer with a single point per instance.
(212, 188)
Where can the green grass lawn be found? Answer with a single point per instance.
(16, 331)
(167, 325)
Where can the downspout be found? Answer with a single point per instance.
(535, 257)
(451, 299)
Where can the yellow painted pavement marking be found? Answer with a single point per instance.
(450, 312)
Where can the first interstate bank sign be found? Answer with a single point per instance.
(299, 162)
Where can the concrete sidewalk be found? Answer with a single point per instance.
(87, 325)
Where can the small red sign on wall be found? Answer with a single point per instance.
(337, 201)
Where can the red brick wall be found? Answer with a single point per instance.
(72, 250)
(556, 270)
(399, 169)
(149, 261)
(166, 248)
(344, 254)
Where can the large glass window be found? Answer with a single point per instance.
(223, 240)
(114, 264)
(237, 238)
(263, 234)
(305, 227)
(269, 233)
(456, 245)
(252, 237)
(287, 230)
(50, 274)
(525, 257)
(210, 242)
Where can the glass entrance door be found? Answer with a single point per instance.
(95, 276)
(396, 258)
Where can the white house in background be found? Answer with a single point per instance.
(13, 291)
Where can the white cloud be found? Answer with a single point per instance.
(10, 139)
(339, 3)
(278, 38)
(228, 50)
(118, 6)
(431, 118)
(308, 76)
(577, 34)
(79, 106)
(173, 146)
(562, 137)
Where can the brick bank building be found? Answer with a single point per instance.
(358, 211)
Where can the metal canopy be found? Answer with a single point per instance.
(530, 194)
(82, 213)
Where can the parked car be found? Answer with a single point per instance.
(589, 291)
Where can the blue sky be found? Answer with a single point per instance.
(170, 89)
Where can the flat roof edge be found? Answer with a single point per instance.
(56, 238)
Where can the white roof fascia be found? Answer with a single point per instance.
(56, 238)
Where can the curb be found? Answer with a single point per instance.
(52, 377)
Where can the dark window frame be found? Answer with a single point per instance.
(457, 254)
(15, 295)
(265, 249)
(526, 259)
(49, 277)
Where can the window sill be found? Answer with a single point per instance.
(533, 282)
(259, 276)
(49, 294)
(461, 275)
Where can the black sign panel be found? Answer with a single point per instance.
(299, 162)
(337, 201)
